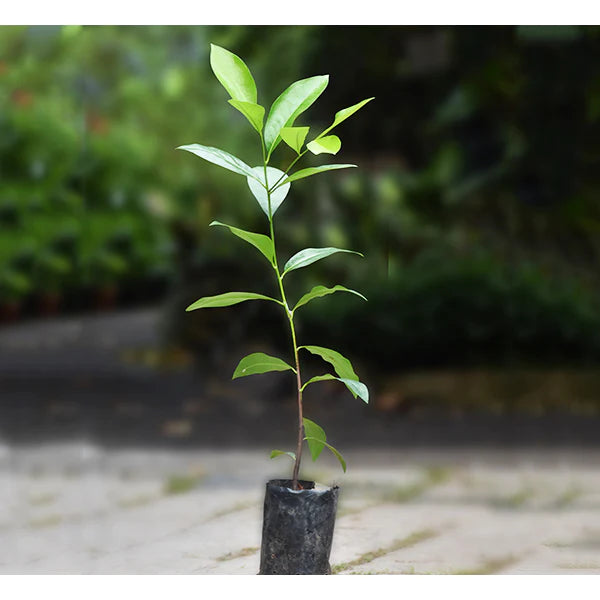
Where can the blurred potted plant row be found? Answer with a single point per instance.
(75, 227)
(50, 255)
(86, 215)
(78, 208)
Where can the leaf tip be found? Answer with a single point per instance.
(186, 147)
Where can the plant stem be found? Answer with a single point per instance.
(290, 316)
(276, 184)
(300, 416)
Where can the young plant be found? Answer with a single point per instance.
(270, 186)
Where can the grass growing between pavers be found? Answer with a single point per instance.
(403, 494)
(180, 484)
(174, 485)
(406, 493)
(243, 552)
(580, 565)
(590, 541)
(489, 567)
(46, 521)
(43, 499)
(433, 476)
(567, 498)
(137, 501)
(383, 572)
(513, 501)
(237, 507)
(406, 542)
(345, 511)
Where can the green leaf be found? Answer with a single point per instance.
(302, 173)
(326, 377)
(343, 367)
(227, 299)
(289, 105)
(221, 158)
(262, 242)
(330, 144)
(276, 453)
(233, 74)
(343, 114)
(255, 113)
(257, 187)
(294, 137)
(357, 389)
(315, 436)
(335, 452)
(310, 255)
(259, 362)
(320, 290)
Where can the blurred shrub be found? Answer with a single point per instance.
(93, 194)
(473, 310)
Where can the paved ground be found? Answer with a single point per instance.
(75, 508)
(193, 503)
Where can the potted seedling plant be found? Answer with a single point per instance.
(298, 517)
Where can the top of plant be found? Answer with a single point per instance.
(270, 187)
(236, 78)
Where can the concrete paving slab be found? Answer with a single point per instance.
(77, 508)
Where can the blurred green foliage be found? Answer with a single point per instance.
(92, 191)
(475, 202)
(468, 311)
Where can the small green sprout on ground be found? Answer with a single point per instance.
(270, 187)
